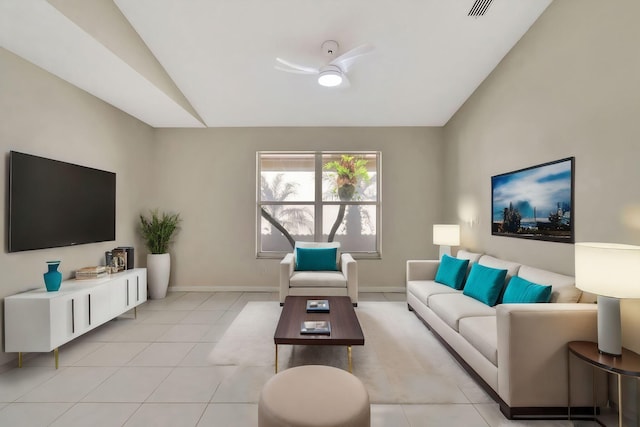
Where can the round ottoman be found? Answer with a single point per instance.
(309, 396)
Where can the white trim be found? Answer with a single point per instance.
(390, 289)
(224, 289)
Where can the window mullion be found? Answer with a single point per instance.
(318, 197)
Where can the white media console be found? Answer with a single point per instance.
(41, 321)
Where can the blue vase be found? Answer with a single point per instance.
(53, 277)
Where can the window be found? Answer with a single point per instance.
(318, 196)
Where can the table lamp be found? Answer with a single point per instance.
(446, 235)
(611, 271)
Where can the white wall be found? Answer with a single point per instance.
(570, 87)
(45, 116)
(209, 176)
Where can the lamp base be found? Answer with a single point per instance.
(609, 330)
(445, 250)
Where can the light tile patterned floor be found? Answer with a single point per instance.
(153, 371)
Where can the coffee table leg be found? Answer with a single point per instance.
(349, 358)
(276, 358)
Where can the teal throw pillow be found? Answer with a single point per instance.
(316, 259)
(485, 284)
(520, 290)
(451, 271)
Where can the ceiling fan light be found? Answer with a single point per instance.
(330, 78)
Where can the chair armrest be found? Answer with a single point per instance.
(533, 354)
(422, 269)
(349, 268)
(286, 270)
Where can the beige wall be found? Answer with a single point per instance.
(570, 87)
(209, 176)
(43, 115)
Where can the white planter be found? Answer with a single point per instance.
(158, 269)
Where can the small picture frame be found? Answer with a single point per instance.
(119, 260)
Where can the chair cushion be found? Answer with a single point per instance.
(316, 259)
(320, 245)
(520, 290)
(452, 271)
(485, 284)
(453, 307)
(313, 279)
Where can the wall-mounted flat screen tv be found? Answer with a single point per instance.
(54, 204)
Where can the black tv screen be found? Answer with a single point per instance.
(54, 204)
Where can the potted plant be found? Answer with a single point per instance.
(349, 170)
(157, 231)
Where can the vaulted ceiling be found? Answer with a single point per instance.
(210, 63)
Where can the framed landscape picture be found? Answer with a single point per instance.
(535, 203)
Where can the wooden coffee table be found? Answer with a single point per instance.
(345, 328)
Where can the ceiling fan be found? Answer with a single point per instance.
(335, 72)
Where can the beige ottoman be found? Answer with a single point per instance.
(309, 396)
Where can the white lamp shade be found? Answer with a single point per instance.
(608, 269)
(446, 234)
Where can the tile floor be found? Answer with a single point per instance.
(153, 371)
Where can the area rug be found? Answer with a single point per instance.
(401, 361)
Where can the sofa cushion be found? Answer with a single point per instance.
(423, 289)
(563, 288)
(452, 271)
(482, 334)
(453, 307)
(485, 284)
(471, 256)
(311, 279)
(511, 267)
(316, 259)
(520, 290)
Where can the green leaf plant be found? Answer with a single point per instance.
(158, 229)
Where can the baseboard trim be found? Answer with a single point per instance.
(366, 289)
(389, 289)
(223, 289)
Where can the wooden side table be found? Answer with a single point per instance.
(627, 365)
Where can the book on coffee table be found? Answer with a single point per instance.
(315, 327)
(317, 306)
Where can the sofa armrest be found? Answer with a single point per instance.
(422, 269)
(349, 268)
(533, 354)
(286, 270)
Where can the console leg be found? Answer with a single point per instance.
(55, 356)
(19, 359)
(349, 358)
(276, 358)
(135, 312)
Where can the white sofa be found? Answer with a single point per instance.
(518, 352)
(343, 282)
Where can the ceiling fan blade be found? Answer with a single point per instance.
(346, 84)
(302, 68)
(292, 70)
(346, 60)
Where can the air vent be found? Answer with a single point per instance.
(480, 7)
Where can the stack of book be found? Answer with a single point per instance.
(317, 306)
(315, 327)
(96, 272)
